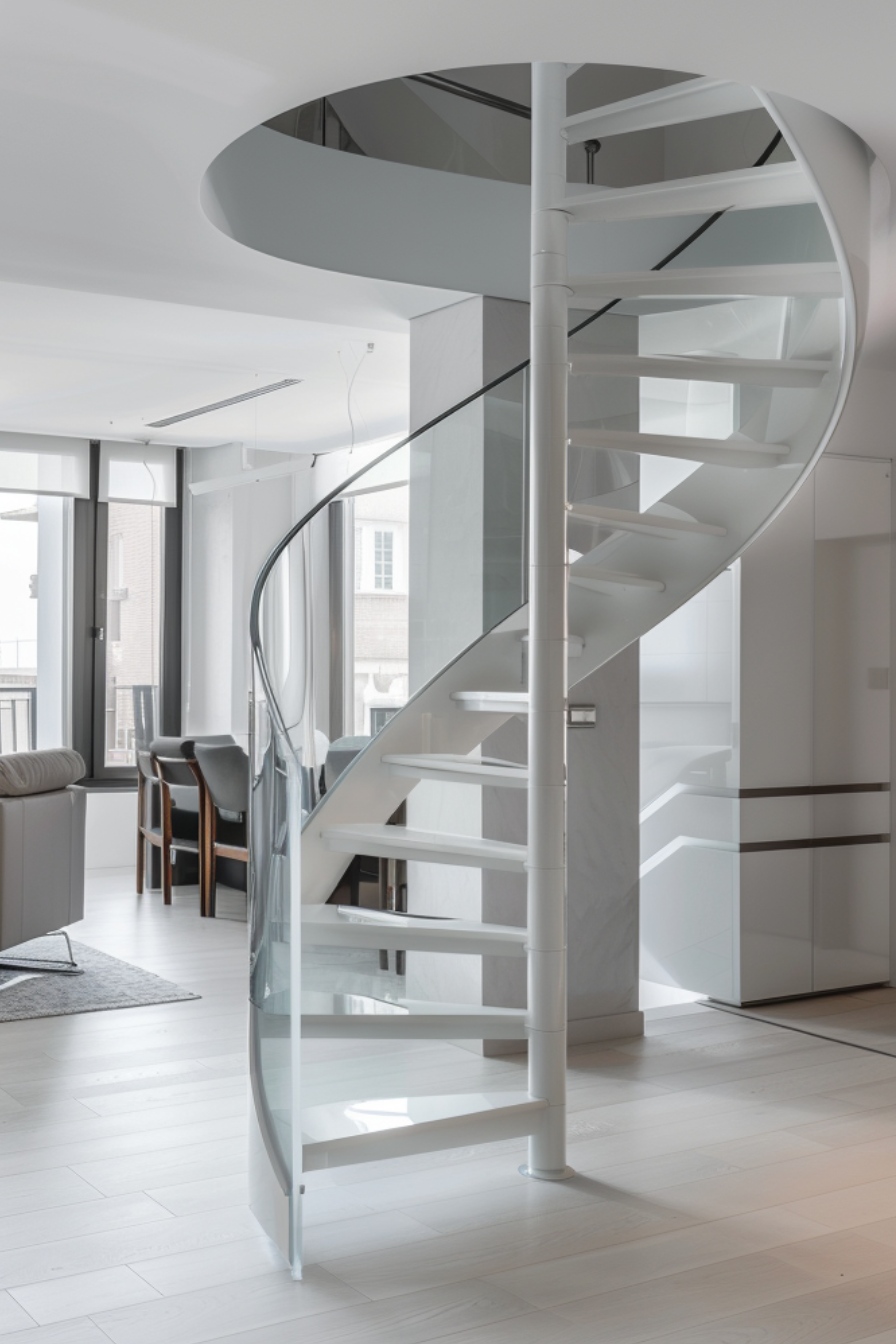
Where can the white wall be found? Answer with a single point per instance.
(111, 835)
(229, 532)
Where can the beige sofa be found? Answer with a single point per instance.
(41, 845)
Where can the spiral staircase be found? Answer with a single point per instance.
(604, 569)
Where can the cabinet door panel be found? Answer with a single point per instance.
(851, 916)
(775, 924)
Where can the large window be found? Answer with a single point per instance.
(90, 556)
(133, 628)
(382, 560)
(380, 547)
(130, 536)
(35, 621)
(377, 627)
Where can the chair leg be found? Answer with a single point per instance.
(207, 856)
(207, 819)
(167, 873)
(211, 898)
(210, 858)
(141, 839)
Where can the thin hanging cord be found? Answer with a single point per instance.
(348, 396)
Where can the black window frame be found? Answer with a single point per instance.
(90, 598)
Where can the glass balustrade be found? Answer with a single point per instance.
(410, 564)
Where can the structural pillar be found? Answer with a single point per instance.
(548, 566)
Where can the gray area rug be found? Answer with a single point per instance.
(106, 983)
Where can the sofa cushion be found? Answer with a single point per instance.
(25, 772)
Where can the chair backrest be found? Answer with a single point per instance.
(225, 769)
(172, 757)
(144, 706)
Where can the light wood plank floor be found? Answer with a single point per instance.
(736, 1182)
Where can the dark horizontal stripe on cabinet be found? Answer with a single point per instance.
(812, 790)
(823, 842)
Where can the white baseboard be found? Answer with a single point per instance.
(580, 1031)
(614, 1027)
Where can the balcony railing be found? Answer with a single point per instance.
(18, 718)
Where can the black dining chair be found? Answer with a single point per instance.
(224, 769)
(174, 764)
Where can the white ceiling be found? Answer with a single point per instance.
(121, 302)
(99, 365)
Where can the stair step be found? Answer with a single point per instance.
(343, 1133)
(652, 524)
(459, 770)
(685, 842)
(705, 369)
(691, 100)
(353, 926)
(492, 702)
(813, 279)
(743, 189)
(600, 580)
(360, 1016)
(399, 842)
(716, 452)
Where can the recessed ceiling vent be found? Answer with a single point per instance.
(219, 405)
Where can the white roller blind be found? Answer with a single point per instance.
(136, 473)
(44, 464)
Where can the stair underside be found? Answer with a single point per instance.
(458, 770)
(600, 580)
(814, 279)
(353, 926)
(651, 524)
(399, 842)
(358, 1016)
(744, 189)
(344, 1133)
(703, 369)
(715, 452)
(691, 100)
(685, 842)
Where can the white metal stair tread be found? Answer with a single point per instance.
(345, 1132)
(690, 100)
(354, 926)
(400, 842)
(734, 452)
(601, 580)
(653, 524)
(743, 189)
(778, 280)
(685, 842)
(458, 769)
(705, 369)
(329, 1016)
(492, 702)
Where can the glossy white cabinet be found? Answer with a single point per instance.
(765, 756)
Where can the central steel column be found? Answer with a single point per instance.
(548, 562)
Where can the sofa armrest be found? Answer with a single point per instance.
(41, 864)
